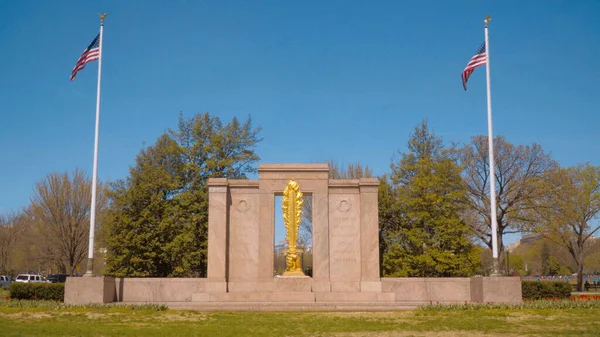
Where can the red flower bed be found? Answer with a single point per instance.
(585, 298)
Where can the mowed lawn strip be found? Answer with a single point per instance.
(127, 322)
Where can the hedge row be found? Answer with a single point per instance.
(537, 290)
(37, 291)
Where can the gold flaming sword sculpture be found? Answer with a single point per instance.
(291, 205)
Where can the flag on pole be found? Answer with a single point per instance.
(479, 59)
(91, 53)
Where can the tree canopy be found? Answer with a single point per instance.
(517, 171)
(157, 223)
(569, 210)
(420, 203)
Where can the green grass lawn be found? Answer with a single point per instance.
(127, 322)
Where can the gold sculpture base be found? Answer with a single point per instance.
(293, 273)
(294, 264)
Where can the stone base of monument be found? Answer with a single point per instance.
(294, 293)
(84, 290)
(292, 284)
(371, 297)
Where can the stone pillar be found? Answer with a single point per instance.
(369, 234)
(217, 235)
(320, 239)
(344, 235)
(266, 230)
(243, 231)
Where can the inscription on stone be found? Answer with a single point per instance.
(345, 239)
(243, 248)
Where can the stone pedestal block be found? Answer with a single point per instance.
(297, 284)
(496, 289)
(370, 287)
(321, 285)
(215, 286)
(84, 290)
(338, 286)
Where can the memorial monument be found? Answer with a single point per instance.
(345, 247)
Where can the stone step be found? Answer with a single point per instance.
(261, 297)
(371, 297)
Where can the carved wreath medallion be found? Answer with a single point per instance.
(243, 205)
(344, 205)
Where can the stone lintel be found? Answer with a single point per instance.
(368, 182)
(293, 171)
(343, 182)
(240, 183)
(369, 185)
(217, 182)
(293, 168)
(344, 190)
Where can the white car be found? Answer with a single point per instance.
(5, 281)
(29, 278)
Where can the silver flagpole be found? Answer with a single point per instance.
(494, 219)
(90, 262)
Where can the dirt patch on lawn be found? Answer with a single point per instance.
(24, 315)
(367, 314)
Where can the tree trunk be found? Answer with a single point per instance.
(579, 275)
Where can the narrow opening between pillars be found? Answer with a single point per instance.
(304, 237)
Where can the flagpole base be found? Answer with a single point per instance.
(495, 270)
(90, 268)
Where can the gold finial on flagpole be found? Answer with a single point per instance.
(102, 16)
(487, 19)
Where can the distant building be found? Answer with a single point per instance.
(525, 240)
(530, 239)
(512, 246)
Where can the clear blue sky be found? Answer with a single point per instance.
(352, 78)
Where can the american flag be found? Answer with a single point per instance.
(91, 53)
(479, 59)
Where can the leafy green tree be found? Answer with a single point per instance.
(553, 266)
(545, 258)
(423, 232)
(158, 221)
(569, 210)
(517, 265)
